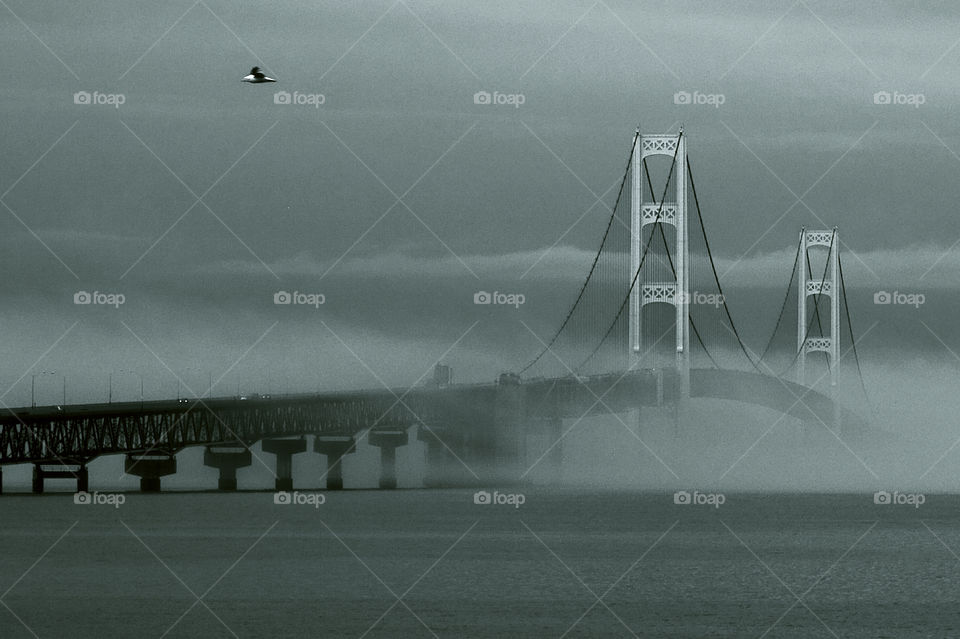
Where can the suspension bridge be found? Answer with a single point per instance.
(623, 344)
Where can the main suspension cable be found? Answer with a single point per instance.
(853, 339)
(606, 233)
(786, 298)
(806, 334)
(716, 277)
(643, 257)
(673, 270)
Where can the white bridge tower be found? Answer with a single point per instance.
(644, 211)
(828, 285)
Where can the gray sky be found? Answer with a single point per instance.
(297, 197)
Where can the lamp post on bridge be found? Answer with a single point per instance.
(33, 386)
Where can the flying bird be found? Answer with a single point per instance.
(256, 76)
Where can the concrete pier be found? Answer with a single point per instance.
(509, 426)
(837, 414)
(387, 441)
(554, 459)
(60, 470)
(451, 460)
(440, 461)
(284, 449)
(335, 447)
(150, 468)
(228, 459)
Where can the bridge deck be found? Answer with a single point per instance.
(83, 432)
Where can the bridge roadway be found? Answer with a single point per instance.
(52, 434)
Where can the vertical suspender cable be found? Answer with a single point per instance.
(783, 307)
(713, 266)
(593, 266)
(643, 258)
(673, 270)
(853, 339)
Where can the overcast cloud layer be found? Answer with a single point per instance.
(399, 197)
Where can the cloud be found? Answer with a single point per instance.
(926, 265)
(920, 266)
(560, 262)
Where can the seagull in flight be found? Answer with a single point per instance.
(256, 76)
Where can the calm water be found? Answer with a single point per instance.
(787, 566)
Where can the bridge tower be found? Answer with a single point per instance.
(644, 211)
(828, 285)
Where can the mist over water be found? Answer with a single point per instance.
(720, 445)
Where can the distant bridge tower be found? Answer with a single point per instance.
(644, 210)
(829, 285)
